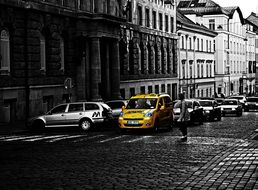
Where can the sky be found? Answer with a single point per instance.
(246, 6)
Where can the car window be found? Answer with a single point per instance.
(230, 102)
(75, 107)
(206, 103)
(161, 102)
(58, 109)
(91, 106)
(142, 103)
(196, 104)
(168, 101)
(252, 99)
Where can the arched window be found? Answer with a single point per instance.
(42, 52)
(5, 51)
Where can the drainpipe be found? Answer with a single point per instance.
(26, 67)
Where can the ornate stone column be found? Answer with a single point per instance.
(95, 69)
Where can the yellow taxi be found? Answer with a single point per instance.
(147, 111)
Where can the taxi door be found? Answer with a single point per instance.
(161, 112)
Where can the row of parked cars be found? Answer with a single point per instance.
(147, 111)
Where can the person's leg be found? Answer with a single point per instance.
(184, 131)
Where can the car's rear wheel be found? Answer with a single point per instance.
(85, 124)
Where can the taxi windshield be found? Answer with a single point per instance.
(142, 103)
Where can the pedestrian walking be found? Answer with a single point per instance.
(184, 116)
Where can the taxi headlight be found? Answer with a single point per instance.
(233, 108)
(207, 111)
(148, 114)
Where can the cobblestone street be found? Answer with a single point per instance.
(211, 158)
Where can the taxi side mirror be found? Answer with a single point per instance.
(195, 107)
(123, 107)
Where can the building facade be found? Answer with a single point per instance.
(196, 58)
(231, 42)
(57, 51)
(252, 20)
(148, 49)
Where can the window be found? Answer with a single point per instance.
(156, 89)
(166, 23)
(142, 89)
(172, 24)
(212, 24)
(202, 70)
(154, 19)
(182, 42)
(140, 15)
(147, 17)
(163, 88)
(90, 106)
(75, 107)
(207, 70)
(207, 45)
(5, 51)
(42, 53)
(59, 109)
(191, 71)
(190, 43)
(149, 89)
(132, 92)
(160, 21)
(201, 44)
(62, 53)
(198, 45)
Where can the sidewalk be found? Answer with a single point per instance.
(17, 127)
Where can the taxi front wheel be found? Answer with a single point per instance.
(85, 125)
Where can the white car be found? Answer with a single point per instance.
(240, 98)
(231, 106)
(116, 106)
(78, 114)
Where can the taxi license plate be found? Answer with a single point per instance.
(132, 122)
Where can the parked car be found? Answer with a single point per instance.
(211, 110)
(78, 114)
(231, 106)
(194, 108)
(251, 103)
(116, 106)
(240, 98)
(147, 111)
